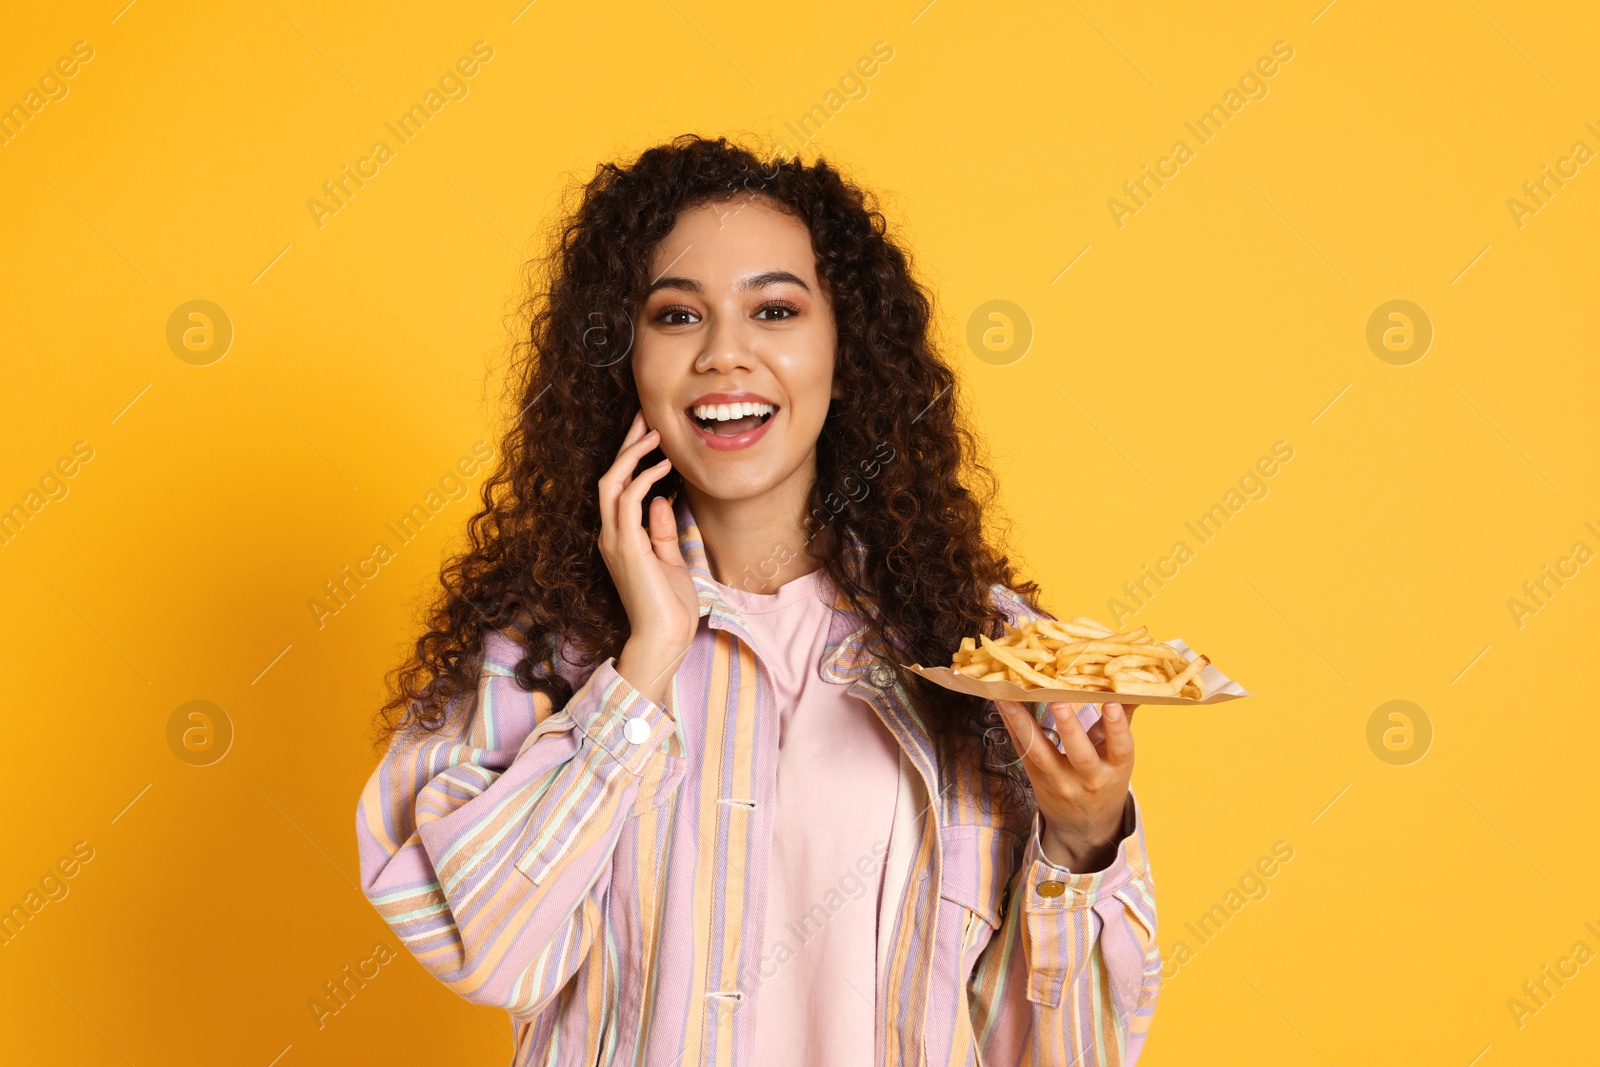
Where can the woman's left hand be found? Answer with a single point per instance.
(1082, 787)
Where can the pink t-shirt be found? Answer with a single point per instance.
(838, 776)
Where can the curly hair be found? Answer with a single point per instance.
(532, 567)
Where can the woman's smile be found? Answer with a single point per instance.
(728, 422)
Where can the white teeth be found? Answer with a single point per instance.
(725, 412)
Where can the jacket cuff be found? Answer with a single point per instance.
(1058, 905)
(623, 722)
(1086, 887)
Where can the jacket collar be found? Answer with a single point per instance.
(851, 655)
(846, 655)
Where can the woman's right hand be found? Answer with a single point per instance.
(651, 576)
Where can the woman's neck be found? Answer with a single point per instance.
(762, 542)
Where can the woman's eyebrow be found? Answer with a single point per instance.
(754, 281)
(771, 277)
(672, 281)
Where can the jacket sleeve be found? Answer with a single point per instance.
(1070, 977)
(488, 850)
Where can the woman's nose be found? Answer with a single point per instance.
(727, 346)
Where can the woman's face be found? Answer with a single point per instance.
(734, 349)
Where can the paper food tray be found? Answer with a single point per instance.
(1217, 686)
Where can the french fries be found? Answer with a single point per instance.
(1083, 654)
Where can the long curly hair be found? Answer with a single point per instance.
(898, 472)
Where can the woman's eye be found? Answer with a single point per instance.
(677, 316)
(777, 312)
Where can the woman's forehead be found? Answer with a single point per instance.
(723, 241)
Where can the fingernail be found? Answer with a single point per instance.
(1112, 711)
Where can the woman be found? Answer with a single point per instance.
(655, 780)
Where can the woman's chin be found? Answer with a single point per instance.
(726, 484)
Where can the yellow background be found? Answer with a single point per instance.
(1229, 313)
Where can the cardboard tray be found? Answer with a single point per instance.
(1217, 686)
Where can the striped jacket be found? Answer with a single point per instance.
(600, 872)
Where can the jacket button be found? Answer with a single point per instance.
(636, 730)
(1051, 889)
(881, 675)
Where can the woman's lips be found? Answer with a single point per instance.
(733, 442)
